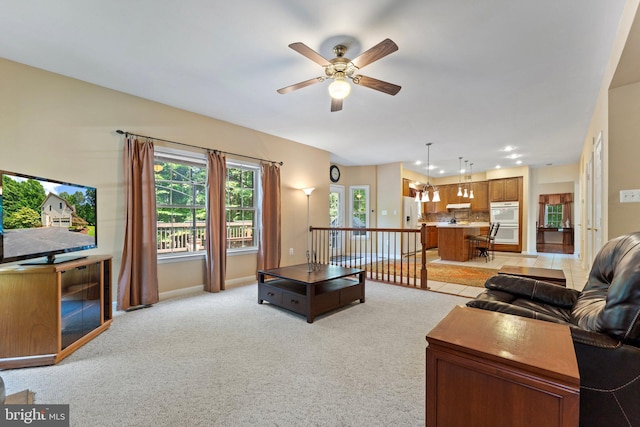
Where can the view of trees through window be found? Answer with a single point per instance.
(241, 207)
(359, 208)
(181, 206)
(553, 216)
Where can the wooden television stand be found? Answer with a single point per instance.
(49, 311)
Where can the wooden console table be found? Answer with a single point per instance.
(489, 369)
(566, 247)
(311, 293)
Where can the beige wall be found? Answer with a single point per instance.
(389, 195)
(624, 153)
(600, 123)
(62, 128)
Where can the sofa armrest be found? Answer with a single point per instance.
(495, 301)
(533, 289)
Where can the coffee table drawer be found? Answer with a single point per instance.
(271, 294)
(351, 293)
(295, 302)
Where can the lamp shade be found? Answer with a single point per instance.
(308, 191)
(425, 196)
(339, 89)
(436, 195)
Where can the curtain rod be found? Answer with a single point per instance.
(121, 132)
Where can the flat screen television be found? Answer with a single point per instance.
(42, 218)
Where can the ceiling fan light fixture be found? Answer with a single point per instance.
(339, 88)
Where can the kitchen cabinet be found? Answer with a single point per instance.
(432, 237)
(505, 189)
(480, 201)
(453, 243)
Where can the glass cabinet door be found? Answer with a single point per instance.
(80, 304)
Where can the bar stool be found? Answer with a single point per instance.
(473, 241)
(485, 243)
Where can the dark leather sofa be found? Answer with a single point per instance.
(604, 320)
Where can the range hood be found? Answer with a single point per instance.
(459, 206)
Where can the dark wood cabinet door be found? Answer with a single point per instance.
(511, 189)
(480, 201)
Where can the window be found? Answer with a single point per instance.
(359, 208)
(553, 216)
(241, 210)
(180, 204)
(180, 179)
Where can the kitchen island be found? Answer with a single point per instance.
(452, 240)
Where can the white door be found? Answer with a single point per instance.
(588, 215)
(598, 231)
(336, 217)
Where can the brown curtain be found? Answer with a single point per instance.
(216, 228)
(269, 244)
(138, 278)
(542, 203)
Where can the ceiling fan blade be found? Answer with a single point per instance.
(300, 85)
(380, 50)
(376, 84)
(336, 104)
(305, 50)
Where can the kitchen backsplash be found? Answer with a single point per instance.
(459, 215)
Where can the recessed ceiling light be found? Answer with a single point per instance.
(509, 148)
(441, 170)
(498, 166)
(418, 163)
(514, 156)
(519, 162)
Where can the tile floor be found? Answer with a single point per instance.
(570, 264)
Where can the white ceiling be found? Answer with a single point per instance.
(476, 76)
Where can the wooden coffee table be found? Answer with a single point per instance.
(545, 274)
(311, 293)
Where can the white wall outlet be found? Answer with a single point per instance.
(291, 251)
(629, 196)
(383, 212)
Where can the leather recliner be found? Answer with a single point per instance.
(604, 321)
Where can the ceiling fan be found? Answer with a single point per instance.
(340, 68)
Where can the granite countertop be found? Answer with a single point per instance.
(460, 224)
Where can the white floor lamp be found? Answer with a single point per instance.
(308, 192)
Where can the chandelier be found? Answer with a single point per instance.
(425, 189)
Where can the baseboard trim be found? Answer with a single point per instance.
(229, 284)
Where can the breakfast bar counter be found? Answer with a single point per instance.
(452, 241)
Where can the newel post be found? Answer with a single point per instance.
(423, 257)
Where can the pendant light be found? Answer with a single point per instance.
(460, 178)
(425, 191)
(466, 194)
(471, 181)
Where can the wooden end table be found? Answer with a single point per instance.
(311, 293)
(490, 369)
(545, 274)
